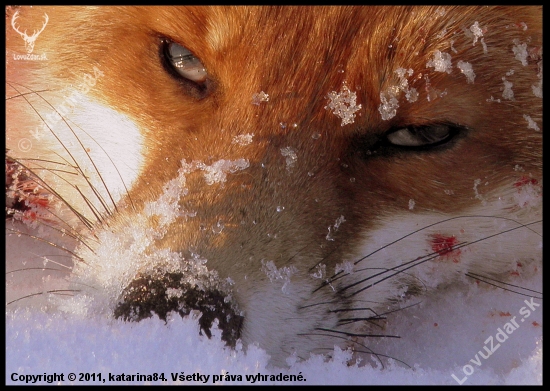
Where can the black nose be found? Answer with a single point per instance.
(167, 292)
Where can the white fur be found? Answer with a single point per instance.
(490, 239)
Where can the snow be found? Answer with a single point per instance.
(507, 92)
(441, 62)
(333, 228)
(441, 336)
(466, 69)
(343, 104)
(259, 97)
(537, 89)
(520, 52)
(273, 273)
(388, 105)
(476, 31)
(291, 157)
(217, 172)
(438, 340)
(389, 102)
(531, 124)
(243, 139)
(484, 45)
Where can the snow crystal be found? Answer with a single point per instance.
(217, 172)
(260, 97)
(529, 194)
(520, 52)
(339, 221)
(412, 95)
(441, 62)
(531, 124)
(403, 84)
(466, 69)
(321, 271)
(346, 267)
(388, 105)
(476, 31)
(507, 93)
(334, 227)
(523, 26)
(242, 139)
(343, 104)
(218, 227)
(477, 182)
(167, 205)
(484, 45)
(274, 274)
(452, 46)
(291, 156)
(537, 89)
(174, 293)
(389, 102)
(440, 11)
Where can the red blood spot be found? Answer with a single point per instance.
(519, 264)
(435, 325)
(38, 201)
(514, 273)
(524, 180)
(30, 215)
(535, 323)
(502, 313)
(444, 246)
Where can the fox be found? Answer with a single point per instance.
(291, 174)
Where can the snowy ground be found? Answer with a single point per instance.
(440, 337)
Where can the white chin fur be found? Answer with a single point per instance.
(500, 236)
(92, 149)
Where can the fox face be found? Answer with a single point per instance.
(291, 172)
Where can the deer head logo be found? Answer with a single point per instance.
(29, 40)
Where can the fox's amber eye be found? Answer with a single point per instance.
(185, 63)
(421, 136)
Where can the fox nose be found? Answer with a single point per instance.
(162, 294)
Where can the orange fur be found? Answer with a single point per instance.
(298, 56)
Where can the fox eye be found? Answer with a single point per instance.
(184, 63)
(421, 136)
